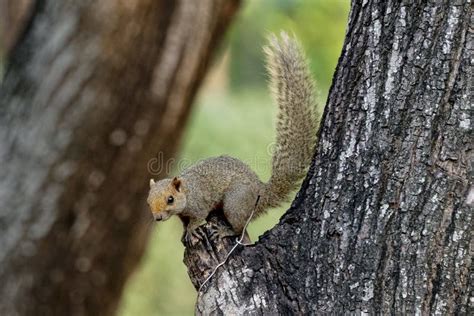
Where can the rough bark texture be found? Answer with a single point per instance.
(93, 91)
(383, 221)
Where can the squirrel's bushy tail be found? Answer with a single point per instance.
(293, 87)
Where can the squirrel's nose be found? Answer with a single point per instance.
(158, 218)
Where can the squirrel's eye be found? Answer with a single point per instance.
(170, 199)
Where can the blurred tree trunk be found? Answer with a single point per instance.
(14, 16)
(92, 91)
(383, 221)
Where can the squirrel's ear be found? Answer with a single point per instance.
(176, 183)
(152, 182)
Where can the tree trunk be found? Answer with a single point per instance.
(93, 91)
(383, 222)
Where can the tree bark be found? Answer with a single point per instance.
(93, 90)
(383, 222)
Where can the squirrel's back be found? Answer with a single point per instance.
(210, 179)
(219, 172)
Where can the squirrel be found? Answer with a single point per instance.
(228, 183)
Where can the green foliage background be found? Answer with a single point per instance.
(237, 121)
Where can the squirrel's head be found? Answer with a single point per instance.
(166, 198)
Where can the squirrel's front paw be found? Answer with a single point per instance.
(191, 237)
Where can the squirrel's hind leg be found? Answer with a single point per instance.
(239, 202)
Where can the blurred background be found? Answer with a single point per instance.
(234, 115)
